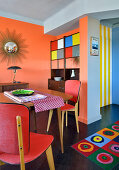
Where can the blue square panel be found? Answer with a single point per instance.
(98, 140)
(116, 139)
(68, 41)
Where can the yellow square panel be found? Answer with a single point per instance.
(54, 55)
(76, 39)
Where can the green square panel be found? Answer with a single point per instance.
(60, 54)
(104, 159)
(114, 127)
(76, 51)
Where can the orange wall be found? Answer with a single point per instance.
(36, 66)
(83, 68)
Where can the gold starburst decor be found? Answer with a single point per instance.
(12, 47)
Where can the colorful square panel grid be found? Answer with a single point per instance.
(101, 147)
(65, 47)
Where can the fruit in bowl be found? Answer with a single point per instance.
(22, 92)
(57, 78)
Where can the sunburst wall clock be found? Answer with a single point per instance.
(12, 47)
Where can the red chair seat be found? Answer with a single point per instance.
(38, 144)
(67, 107)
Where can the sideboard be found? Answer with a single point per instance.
(12, 86)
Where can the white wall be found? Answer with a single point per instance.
(93, 74)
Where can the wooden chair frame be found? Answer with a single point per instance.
(20, 141)
(49, 153)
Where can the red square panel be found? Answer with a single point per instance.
(112, 147)
(68, 52)
(85, 147)
(117, 122)
(53, 45)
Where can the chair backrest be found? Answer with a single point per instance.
(72, 87)
(8, 127)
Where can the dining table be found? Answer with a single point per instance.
(56, 95)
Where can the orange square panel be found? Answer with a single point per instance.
(54, 45)
(108, 133)
(68, 52)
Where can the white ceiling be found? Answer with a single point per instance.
(58, 16)
(35, 9)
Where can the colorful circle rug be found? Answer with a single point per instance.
(114, 127)
(101, 147)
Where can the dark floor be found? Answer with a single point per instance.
(70, 160)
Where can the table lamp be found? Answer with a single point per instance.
(14, 68)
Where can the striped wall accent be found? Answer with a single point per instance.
(105, 66)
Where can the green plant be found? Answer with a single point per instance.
(76, 60)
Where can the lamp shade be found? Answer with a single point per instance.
(14, 68)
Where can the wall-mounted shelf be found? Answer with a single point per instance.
(12, 86)
(56, 85)
(63, 49)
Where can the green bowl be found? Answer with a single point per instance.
(22, 92)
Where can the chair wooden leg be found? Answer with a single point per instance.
(49, 119)
(63, 112)
(20, 141)
(60, 128)
(76, 117)
(66, 118)
(50, 159)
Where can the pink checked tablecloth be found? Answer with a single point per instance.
(50, 102)
(42, 101)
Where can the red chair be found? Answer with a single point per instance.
(17, 144)
(72, 87)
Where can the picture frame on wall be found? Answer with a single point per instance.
(94, 46)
